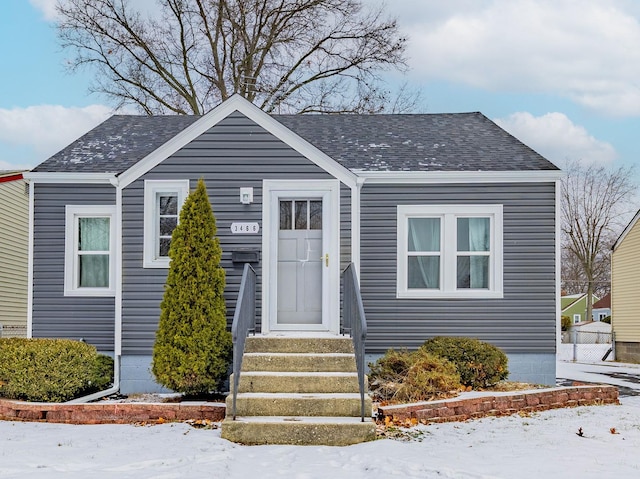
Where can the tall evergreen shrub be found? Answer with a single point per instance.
(193, 347)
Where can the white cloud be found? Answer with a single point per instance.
(587, 50)
(44, 130)
(557, 138)
(47, 7)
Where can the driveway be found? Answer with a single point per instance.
(625, 376)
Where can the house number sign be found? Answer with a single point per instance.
(245, 228)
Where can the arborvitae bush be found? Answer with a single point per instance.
(192, 349)
(566, 323)
(51, 370)
(404, 376)
(480, 364)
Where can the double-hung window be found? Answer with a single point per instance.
(162, 203)
(449, 251)
(90, 251)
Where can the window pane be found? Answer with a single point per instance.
(285, 215)
(93, 234)
(168, 204)
(473, 234)
(165, 243)
(167, 225)
(473, 272)
(315, 215)
(93, 271)
(301, 215)
(424, 272)
(424, 234)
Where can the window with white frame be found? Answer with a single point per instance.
(162, 202)
(90, 251)
(577, 318)
(449, 251)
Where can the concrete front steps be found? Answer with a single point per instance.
(298, 391)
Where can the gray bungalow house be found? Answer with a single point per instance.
(449, 221)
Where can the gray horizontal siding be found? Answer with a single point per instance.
(232, 154)
(56, 315)
(522, 322)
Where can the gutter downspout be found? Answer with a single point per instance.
(117, 329)
(106, 392)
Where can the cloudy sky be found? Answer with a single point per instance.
(561, 75)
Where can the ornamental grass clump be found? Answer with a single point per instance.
(479, 364)
(192, 350)
(403, 376)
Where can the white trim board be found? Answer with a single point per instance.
(70, 177)
(424, 177)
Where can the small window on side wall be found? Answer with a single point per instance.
(89, 251)
(449, 251)
(162, 202)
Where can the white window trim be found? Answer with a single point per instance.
(577, 318)
(72, 213)
(151, 189)
(448, 255)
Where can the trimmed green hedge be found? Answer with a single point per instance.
(480, 364)
(51, 370)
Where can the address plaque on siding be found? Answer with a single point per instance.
(245, 228)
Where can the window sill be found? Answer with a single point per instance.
(90, 292)
(468, 294)
(157, 263)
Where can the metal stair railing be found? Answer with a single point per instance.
(244, 321)
(355, 323)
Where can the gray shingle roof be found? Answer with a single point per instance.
(429, 142)
(116, 144)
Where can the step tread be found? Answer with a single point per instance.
(282, 395)
(302, 419)
(309, 374)
(286, 355)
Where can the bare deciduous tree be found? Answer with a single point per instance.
(574, 280)
(293, 56)
(595, 204)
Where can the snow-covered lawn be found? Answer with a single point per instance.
(544, 445)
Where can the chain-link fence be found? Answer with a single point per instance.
(586, 346)
(13, 331)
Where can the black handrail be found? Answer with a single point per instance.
(355, 323)
(244, 321)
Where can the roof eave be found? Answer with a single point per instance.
(522, 176)
(70, 177)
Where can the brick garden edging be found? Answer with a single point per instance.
(503, 404)
(110, 413)
(447, 410)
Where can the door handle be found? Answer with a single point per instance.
(325, 257)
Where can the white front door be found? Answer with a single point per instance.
(301, 283)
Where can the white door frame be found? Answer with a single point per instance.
(329, 191)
